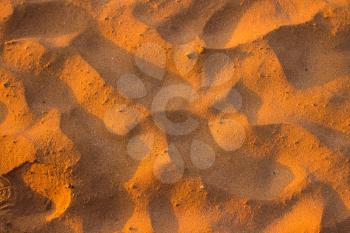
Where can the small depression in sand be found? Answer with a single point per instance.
(246, 177)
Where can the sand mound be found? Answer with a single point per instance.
(187, 116)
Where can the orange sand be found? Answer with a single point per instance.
(164, 116)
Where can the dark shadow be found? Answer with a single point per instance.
(102, 171)
(3, 112)
(184, 25)
(331, 138)
(51, 18)
(162, 216)
(251, 102)
(105, 57)
(340, 98)
(301, 60)
(199, 18)
(223, 23)
(333, 205)
(56, 226)
(341, 227)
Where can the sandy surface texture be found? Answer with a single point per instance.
(174, 116)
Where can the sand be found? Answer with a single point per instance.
(164, 116)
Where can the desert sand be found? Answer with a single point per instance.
(174, 116)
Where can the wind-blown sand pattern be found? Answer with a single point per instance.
(164, 116)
